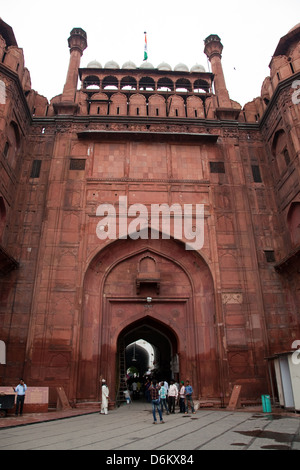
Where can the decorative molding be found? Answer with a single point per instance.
(232, 298)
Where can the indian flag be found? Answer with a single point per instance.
(145, 47)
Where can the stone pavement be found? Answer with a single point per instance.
(129, 428)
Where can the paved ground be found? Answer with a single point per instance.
(130, 428)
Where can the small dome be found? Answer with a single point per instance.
(181, 68)
(164, 66)
(146, 65)
(94, 64)
(295, 27)
(197, 68)
(111, 64)
(129, 65)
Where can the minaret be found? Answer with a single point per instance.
(213, 50)
(77, 44)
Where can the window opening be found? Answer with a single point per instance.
(6, 148)
(35, 169)
(217, 167)
(256, 174)
(286, 156)
(291, 67)
(270, 256)
(77, 164)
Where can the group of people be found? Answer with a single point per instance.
(161, 394)
(165, 396)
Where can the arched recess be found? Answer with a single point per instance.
(157, 106)
(280, 150)
(165, 84)
(2, 217)
(137, 105)
(118, 104)
(99, 104)
(110, 82)
(12, 144)
(163, 340)
(194, 107)
(128, 83)
(182, 84)
(92, 81)
(293, 220)
(175, 106)
(182, 304)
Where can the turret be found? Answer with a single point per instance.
(213, 49)
(77, 44)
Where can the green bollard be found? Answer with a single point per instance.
(266, 403)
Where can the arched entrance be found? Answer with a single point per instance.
(165, 347)
(148, 288)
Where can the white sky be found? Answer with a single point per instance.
(249, 31)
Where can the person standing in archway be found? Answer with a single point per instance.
(173, 394)
(163, 398)
(182, 397)
(147, 390)
(154, 393)
(105, 397)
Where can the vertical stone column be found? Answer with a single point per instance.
(77, 44)
(213, 50)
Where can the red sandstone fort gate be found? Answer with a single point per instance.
(70, 303)
(179, 320)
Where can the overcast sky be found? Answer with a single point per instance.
(249, 31)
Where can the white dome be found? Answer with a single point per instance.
(111, 64)
(197, 68)
(94, 64)
(146, 65)
(181, 68)
(164, 66)
(294, 28)
(129, 65)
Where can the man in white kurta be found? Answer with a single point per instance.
(104, 400)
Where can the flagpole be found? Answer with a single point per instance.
(145, 47)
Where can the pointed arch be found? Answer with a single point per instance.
(293, 221)
(184, 305)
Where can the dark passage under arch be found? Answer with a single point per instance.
(164, 343)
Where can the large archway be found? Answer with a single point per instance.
(165, 345)
(148, 288)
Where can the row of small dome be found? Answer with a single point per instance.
(94, 64)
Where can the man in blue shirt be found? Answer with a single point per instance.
(20, 390)
(188, 397)
(163, 397)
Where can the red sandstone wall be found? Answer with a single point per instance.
(64, 310)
